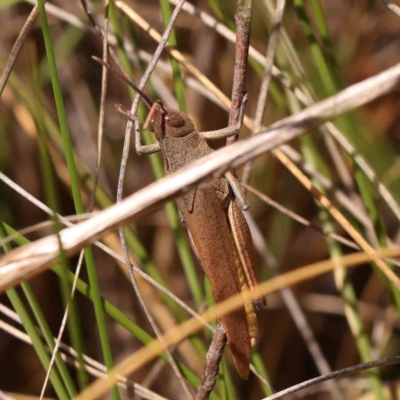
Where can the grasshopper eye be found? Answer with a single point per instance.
(174, 120)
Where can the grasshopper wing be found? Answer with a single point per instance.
(245, 248)
(215, 248)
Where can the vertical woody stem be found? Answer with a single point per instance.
(213, 358)
(243, 22)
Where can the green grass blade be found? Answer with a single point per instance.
(29, 327)
(53, 201)
(37, 343)
(41, 319)
(99, 312)
(332, 82)
(342, 282)
(116, 314)
(258, 363)
(176, 69)
(184, 252)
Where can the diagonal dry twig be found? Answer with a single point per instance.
(337, 374)
(304, 97)
(36, 257)
(25, 31)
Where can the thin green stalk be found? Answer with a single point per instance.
(343, 284)
(351, 309)
(367, 194)
(221, 384)
(37, 343)
(73, 322)
(322, 67)
(102, 198)
(258, 363)
(176, 69)
(184, 252)
(48, 336)
(332, 83)
(105, 344)
(52, 199)
(111, 310)
(326, 65)
(322, 27)
(29, 327)
(229, 386)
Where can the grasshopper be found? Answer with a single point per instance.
(218, 232)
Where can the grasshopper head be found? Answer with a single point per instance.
(165, 121)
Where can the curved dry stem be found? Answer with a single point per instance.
(294, 309)
(25, 31)
(337, 374)
(144, 355)
(391, 6)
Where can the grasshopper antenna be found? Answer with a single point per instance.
(124, 77)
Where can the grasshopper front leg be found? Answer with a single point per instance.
(229, 130)
(239, 197)
(223, 133)
(140, 149)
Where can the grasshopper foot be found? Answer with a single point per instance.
(125, 112)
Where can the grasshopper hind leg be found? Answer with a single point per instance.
(235, 186)
(244, 245)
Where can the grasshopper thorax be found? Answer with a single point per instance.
(165, 121)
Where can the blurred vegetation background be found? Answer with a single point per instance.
(324, 46)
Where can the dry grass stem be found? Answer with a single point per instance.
(337, 374)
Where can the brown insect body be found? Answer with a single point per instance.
(205, 210)
(218, 231)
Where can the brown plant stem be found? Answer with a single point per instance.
(211, 366)
(243, 22)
